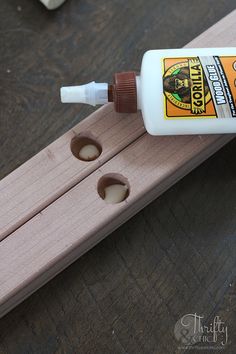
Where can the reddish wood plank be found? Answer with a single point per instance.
(55, 170)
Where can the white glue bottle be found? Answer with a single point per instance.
(179, 91)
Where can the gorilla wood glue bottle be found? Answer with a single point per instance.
(179, 91)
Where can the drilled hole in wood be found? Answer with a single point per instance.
(113, 188)
(85, 147)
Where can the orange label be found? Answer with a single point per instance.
(199, 87)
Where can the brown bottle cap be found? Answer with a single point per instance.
(124, 92)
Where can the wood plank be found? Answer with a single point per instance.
(54, 170)
(80, 218)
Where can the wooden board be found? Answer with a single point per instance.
(54, 170)
(66, 216)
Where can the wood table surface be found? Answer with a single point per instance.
(175, 257)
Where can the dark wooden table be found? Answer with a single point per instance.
(178, 255)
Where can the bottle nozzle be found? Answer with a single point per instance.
(123, 93)
(92, 93)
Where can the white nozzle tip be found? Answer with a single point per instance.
(73, 94)
(91, 93)
(64, 94)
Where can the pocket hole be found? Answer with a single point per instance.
(85, 147)
(113, 188)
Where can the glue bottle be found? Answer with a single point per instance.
(179, 91)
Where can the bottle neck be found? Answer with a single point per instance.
(138, 87)
(124, 92)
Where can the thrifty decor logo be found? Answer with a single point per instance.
(191, 333)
